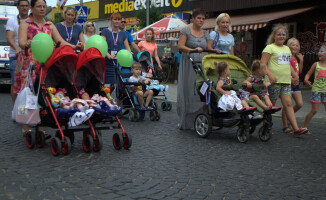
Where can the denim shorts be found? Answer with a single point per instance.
(318, 97)
(12, 68)
(277, 89)
(295, 89)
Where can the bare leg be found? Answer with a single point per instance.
(244, 103)
(140, 97)
(267, 100)
(287, 106)
(258, 101)
(314, 109)
(297, 96)
(13, 95)
(149, 95)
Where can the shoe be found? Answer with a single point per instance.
(242, 109)
(46, 136)
(149, 108)
(251, 108)
(269, 107)
(276, 108)
(141, 108)
(24, 132)
(300, 131)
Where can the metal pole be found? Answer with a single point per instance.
(147, 12)
(81, 3)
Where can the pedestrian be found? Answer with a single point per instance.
(150, 45)
(318, 92)
(221, 39)
(12, 38)
(69, 31)
(297, 65)
(192, 37)
(277, 57)
(28, 28)
(89, 30)
(115, 39)
(129, 37)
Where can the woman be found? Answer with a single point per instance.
(277, 57)
(191, 38)
(221, 40)
(28, 28)
(69, 31)
(150, 45)
(89, 30)
(115, 39)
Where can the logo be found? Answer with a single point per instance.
(176, 3)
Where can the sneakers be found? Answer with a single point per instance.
(300, 131)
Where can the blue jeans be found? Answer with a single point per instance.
(12, 68)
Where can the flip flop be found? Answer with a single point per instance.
(287, 130)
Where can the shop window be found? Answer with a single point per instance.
(292, 28)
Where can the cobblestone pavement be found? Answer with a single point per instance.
(165, 163)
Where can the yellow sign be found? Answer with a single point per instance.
(128, 6)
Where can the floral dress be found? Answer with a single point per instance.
(26, 58)
(257, 80)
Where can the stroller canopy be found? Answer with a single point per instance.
(90, 63)
(61, 65)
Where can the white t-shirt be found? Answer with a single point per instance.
(12, 25)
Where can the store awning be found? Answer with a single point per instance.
(246, 22)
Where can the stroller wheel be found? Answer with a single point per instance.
(133, 115)
(117, 141)
(71, 136)
(155, 105)
(252, 130)
(158, 117)
(152, 116)
(66, 149)
(127, 141)
(203, 125)
(88, 142)
(243, 135)
(264, 134)
(169, 106)
(30, 139)
(55, 146)
(40, 139)
(164, 106)
(98, 142)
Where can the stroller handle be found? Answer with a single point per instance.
(204, 51)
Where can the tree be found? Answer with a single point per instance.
(155, 14)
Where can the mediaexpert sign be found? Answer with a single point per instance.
(128, 8)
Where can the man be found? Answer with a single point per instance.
(130, 39)
(12, 38)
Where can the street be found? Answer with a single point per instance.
(165, 163)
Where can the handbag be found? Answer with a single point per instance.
(26, 110)
(217, 38)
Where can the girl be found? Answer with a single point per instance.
(277, 58)
(150, 45)
(318, 94)
(297, 65)
(69, 31)
(223, 71)
(258, 74)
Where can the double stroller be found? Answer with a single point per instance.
(214, 116)
(64, 69)
(125, 95)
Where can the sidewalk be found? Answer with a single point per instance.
(320, 117)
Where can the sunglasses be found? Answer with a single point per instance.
(89, 25)
(123, 22)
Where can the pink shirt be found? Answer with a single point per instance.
(147, 46)
(295, 65)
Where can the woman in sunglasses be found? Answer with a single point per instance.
(89, 30)
(69, 31)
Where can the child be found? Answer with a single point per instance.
(223, 71)
(97, 101)
(296, 63)
(257, 77)
(136, 70)
(318, 94)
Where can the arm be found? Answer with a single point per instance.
(264, 60)
(232, 51)
(294, 75)
(81, 39)
(126, 44)
(248, 82)
(108, 55)
(57, 37)
(135, 47)
(300, 56)
(22, 35)
(182, 44)
(10, 39)
(309, 73)
(157, 59)
(219, 89)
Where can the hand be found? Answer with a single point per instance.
(308, 83)
(79, 46)
(218, 51)
(249, 85)
(300, 56)
(160, 67)
(228, 92)
(28, 44)
(272, 79)
(17, 52)
(199, 49)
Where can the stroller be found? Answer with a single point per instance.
(144, 59)
(219, 118)
(127, 100)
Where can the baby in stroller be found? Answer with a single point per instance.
(136, 70)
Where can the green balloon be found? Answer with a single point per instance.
(42, 47)
(99, 43)
(124, 58)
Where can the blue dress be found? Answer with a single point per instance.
(66, 35)
(110, 75)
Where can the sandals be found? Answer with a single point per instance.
(24, 132)
(46, 136)
(287, 130)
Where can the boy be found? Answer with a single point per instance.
(136, 70)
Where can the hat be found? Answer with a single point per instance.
(81, 92)
(63, 90)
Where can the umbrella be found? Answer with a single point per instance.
(163, 25)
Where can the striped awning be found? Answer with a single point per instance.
(246, 22)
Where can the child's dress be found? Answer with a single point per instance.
(318, 94)
(256, 80)
(228, 102)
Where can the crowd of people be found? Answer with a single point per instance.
(281, 64)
